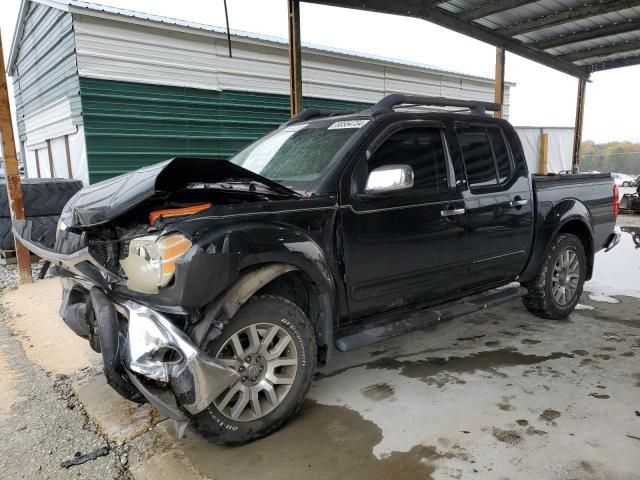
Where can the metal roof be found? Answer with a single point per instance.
(80, 6)
(577, 37)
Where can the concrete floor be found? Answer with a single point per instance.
(498, 394)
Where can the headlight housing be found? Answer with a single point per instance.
(151, 262)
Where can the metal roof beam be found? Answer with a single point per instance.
(490, 7)
(621, 62)
(567, 16)
(412, 8)
(602, 51)
(598, 32)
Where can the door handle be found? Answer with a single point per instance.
(452, 211)
(518, 203)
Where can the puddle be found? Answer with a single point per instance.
(428, 368)
(617, 272)
(378, 391)
(510, 437)
(322, 441)
(549, 415)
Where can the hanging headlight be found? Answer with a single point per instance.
(151, 262)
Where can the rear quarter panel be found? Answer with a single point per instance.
(565, 198)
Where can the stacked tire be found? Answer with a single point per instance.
(44, 200)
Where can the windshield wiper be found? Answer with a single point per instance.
(252, 186)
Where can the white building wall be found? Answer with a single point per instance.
(52, 124)
(144, 51)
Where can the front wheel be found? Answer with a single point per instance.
(557, 288)
(271, 343)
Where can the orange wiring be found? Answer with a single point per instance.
(176, 212)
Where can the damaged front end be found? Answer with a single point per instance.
(121, 291)
(145, 355)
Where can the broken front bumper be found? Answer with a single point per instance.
(142, 349)
(158, 350)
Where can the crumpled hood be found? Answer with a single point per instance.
(107, 200)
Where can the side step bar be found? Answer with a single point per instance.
(415, 319)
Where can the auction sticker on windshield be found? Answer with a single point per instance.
(348, 124)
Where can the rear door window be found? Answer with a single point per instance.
(485, 155)
(501, 154)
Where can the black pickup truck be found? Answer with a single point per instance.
(213, 289)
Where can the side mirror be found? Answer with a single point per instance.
(389, 178)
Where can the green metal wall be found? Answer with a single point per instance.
(129, 125)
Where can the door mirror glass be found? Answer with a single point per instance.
(389, 178)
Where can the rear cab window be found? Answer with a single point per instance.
(486, 156)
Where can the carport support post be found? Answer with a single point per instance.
(14, 190)
(295, 57)
(577, 133)
(544, 150)
(499, 81)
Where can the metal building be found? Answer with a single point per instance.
(100, 90)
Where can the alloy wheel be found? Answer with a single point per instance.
(565, 277)
(266, 358)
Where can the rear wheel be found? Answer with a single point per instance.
(271, 344)
(557, 288)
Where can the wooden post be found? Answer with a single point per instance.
(577, 134)
(51, 164)
(37, 163)
(544, 150)
(295, 57)
(14, 190)
(68, 152)
(499, 81)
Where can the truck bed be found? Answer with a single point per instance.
(552, 180)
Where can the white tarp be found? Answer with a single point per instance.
(560, 147)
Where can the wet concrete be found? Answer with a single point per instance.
(323, 442)
(496, 394)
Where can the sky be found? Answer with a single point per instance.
(542, 96)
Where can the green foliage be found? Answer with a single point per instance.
(622, 157)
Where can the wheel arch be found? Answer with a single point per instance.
(569, 216)
(578, 228)
(308, 288)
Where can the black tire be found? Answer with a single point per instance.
(218, 428)
(540, 300)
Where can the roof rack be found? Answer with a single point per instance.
(309, 113)
(388, 103)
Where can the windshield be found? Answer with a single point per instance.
(300, 154)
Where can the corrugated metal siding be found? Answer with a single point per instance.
(45, 64)
(116, 49)
(130, 125)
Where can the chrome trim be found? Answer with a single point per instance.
(389, 178)
(518, 252)
(192, 373)
(452, 212)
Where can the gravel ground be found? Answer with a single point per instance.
(9, 275)
(46, 424)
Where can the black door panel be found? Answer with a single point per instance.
(399, 248)
(498, 207)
